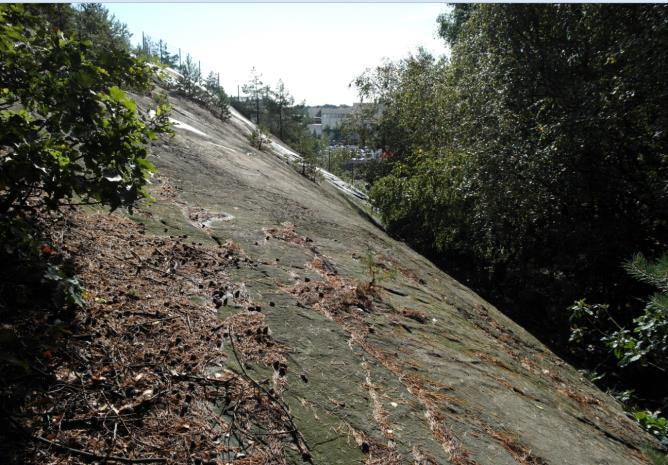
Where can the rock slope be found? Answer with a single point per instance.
(410, 368)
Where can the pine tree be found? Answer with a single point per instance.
(257, 90)
(190, 78)
(282, 100)
(95, 23)
(211, 82)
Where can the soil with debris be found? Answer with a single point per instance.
(140, 375)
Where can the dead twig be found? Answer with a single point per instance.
(90, 455)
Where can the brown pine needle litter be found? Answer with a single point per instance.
(139, 375)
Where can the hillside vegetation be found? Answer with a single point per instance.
(532, 164)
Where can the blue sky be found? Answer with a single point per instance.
(315, 48)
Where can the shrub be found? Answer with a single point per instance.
(66, 128)
(68, 134)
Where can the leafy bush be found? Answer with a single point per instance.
(68, 134)
(532, 162)
(422, 199)
(653, 423)
(643, 344)
(646, 342)
(66, 128)
(556, 113)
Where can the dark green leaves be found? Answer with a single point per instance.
(68, 129)
(532, 163)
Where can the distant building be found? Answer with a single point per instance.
(327, 117)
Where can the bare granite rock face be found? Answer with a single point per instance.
(414, 368)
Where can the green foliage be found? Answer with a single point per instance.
(644, 346)
(655, 457)
(404, 107)
(562, 124)
(451, 23)
(66, 128)
(357, 126)
(68, 133)
(376, 271)
(257, 138)
(335, 160)
(557, 114)
(532, 162)
(275, 112)
(653, 423)
(31, 263)
(188, 84)
(166, 58)
(160, 98)
(208, 93)
(93, 22)
(654, 273)
(646, 343)
(220, 103)
(279, 102)
(68, 287)
(274, 109)
(157, 52)
(422, 199)
(256, 91)
(217, 100)
(309, 148)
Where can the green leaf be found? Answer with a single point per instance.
(117, 95)
(145, 165)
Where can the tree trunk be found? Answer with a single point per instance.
(257, 111)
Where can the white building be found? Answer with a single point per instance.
(327, 116)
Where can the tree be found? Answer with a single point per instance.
(560, 120)
(404, 106)
(222, 104)
(95, 23)
(558, 110)
(532, 162)
(219, 101)
(67, 130)
(257, 138)
(62, 16)
(452, 22)
(307, 146)
(210, 95)
(165, 57)
(256, 90)
(646, 343)
(211, 82)
(190, 78)
(337, 160)
(283, 100)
